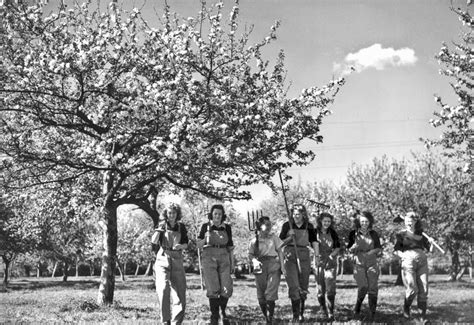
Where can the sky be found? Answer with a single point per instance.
(386, 103)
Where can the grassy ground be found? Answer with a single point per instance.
(49, 300)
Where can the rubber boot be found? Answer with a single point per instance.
(271, 311)
(214, 306)
(358, 305)
(322, 304)
(263, 307)
(406, 308)
(223, 304)
(422, 306)
(330, 307)
(302, 307)
(372, 307)
(295, 306)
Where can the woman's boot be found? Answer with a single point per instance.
(302, 307)
(422, 306)
(358, 305)
(406, 308)
(214, 307)
(223, 304)
(271, 311)
(372, 306)
(330, 305)
(263, 307)
(295, 306)
(322, 304)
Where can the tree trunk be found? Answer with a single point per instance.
(147, 272)
(399, 280)
(124, 269)
(91, 268)
(455, 265)
(137, 269)
(77, 267)
(109, 256)
(54, 269)
(38, 270)
(65, 271)
(7, 269)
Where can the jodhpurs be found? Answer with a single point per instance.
(415, 275)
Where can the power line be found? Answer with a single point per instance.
(377, 121)
(370, 145)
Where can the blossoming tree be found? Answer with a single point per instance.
(190, 103)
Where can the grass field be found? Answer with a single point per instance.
(47, 300)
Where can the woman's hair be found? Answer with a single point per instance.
(366, 214)
(261, 221)
(168, 208)
(302, 209)
(418, 225)
(319, 220)
(217, 207)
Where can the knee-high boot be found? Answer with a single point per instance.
(358, 305)
(302, 307)
(372, 306)
(322, 304)
(422, 306)
(223, 304)
(263, 307)
(330, 305)
(271, 311)
(406, 308)
(295, 306)
(214, 306)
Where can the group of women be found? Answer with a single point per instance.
(299, 250)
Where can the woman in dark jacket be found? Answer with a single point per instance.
(364, 244)
(329, 247)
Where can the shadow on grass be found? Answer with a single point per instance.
(25, 284)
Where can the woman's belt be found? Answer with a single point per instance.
(216, 246)
(266, 257)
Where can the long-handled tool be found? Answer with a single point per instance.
(400, 218)
(254, 226)
(290, 222)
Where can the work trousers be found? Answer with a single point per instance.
(367, 278)
(268, 281)
(297, 283)
(415, 275)
(216, 272)
(170, 285)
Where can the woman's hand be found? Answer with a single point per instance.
(200, 243)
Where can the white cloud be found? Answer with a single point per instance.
(375, 57)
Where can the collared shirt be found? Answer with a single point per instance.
(307, 226)
(217, 233)
(267, 246)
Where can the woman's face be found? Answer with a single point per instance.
(172, 216)
(217, 216)
(326, 223)
(298, 215)
(364, 223)
(410, 223)
(266, 227)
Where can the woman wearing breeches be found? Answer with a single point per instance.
(364, 244)
(215, 238)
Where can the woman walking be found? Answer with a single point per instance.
(172, 238)
(411, 247)
(297, 238)
(364, 244)
(217, 261)
(267, 260)
(329, 247)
